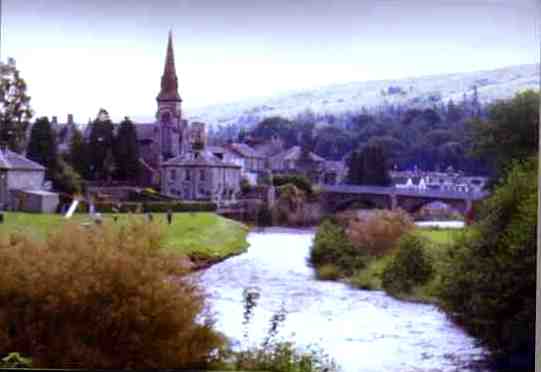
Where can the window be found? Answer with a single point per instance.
(202, 175)
(173, 174)
(188, 175)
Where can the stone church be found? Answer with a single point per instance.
(174, 154)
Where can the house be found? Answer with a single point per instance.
(20, 179)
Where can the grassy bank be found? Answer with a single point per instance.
(201, 234)
(371, 276)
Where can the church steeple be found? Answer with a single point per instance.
(169, 89)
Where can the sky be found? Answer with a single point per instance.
(78, 56)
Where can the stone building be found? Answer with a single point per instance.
(198, 174)
(22, 179)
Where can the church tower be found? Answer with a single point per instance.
(169, 115)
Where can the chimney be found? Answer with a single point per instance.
(70, 119)
(54, 121)
(3, 147)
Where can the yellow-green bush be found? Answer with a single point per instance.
(101, 297)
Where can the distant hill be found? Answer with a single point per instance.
(335, 99)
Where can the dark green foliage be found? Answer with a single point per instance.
(66, 179)
(369, 166)
(15, 360)
(42, 146)
(15, 111)
(126, 151)
(79, 157)
(245, 186)
(100, 146)
(511, 131)
(332, 246)
(489, 283)
(301, 182)
(276, 127)
(411, 266)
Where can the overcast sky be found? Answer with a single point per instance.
(78, 56)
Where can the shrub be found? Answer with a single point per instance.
(489, 281)
(377, 232)
(332, 246)
(411, 266)
(327, 272)
(245, 186)
(301, 182)
(101, 297)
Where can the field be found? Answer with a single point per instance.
(197, 234)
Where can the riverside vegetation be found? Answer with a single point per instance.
(483, 277)
(110, 296)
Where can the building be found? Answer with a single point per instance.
(198, 174)
(22, 184)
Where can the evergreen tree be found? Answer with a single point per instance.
(78, 156)
(15, 111)
(369, 166)
(42, 146)
(126, 151)
(100, 143)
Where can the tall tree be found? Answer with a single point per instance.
(15, 111)
(42, 146)
(100, 143)
(511, 131)
(369, 166)
(126, 151)
(78, 156)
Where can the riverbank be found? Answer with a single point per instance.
(371, 277)
(202, 238)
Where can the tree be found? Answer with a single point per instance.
(78, 156)
(66, 179)
(511, 131)
(15, 111)
(489, 282)
(42, 146)
(100, 144)
(369, 166)
(126, 151)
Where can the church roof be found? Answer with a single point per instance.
(169, 88)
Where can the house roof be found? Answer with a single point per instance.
(294, 153)
(245, 150)
(199, 159)
(14, 161)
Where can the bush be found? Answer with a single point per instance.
(327, 272)
(301, 182)
(332, 246)
(101, 297)
(377, 232)
(411, 266)
(489, 281)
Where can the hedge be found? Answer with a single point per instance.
(149, 207)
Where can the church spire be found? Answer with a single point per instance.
(169, 90)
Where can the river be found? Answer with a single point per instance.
(361, 330)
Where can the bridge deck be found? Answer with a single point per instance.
(379, 190)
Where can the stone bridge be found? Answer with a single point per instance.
(341, 197)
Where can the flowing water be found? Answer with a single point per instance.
(361, 330)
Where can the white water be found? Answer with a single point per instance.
(362, 330)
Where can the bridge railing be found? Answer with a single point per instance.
(380, 190)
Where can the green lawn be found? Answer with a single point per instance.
(205, 234)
